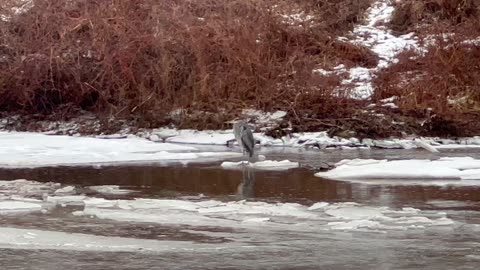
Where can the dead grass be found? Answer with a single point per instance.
(143, 59)
(430, 15)
(440, 88)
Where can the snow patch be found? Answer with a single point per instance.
(381, 41)
(297, 18)
(262, 117)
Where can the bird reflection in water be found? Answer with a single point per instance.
(246, 188)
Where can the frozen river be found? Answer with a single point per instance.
(200, 216)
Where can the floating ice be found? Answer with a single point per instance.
(110, 189)
(15, 207)
(37, 239)
(26, 188)
(66, 200)
(247, 215)
(262, 165)
(65, 190)
(457, 170)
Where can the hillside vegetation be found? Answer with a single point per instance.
(141, 60)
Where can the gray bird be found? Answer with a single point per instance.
(244, 136)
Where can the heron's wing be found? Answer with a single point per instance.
(248, 142)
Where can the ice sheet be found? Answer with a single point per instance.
(20, 150)
(443, 171)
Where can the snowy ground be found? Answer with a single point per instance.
(379, 39)
(308, 139)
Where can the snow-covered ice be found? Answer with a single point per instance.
(66, 200)
(15, 238)
(24, 150)
(110, 190)
(262, 165)
(27, 189)
(65, 190)
(15, 207)
(443, 171)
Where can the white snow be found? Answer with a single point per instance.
(262, 117)
(187, 136)
(65, 190)
(457, 170)
(379, 40)
(23, 150)
(297, 18)
(262, 165)
(390, 105)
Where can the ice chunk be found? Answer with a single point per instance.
(110, 189)
(15, 207)
(458, 169)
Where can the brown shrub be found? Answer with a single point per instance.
(409, 15)
(440, 88)
(146, 58)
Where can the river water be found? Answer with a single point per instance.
(421, 226)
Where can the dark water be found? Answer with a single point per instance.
(296, 185)
(453, 248)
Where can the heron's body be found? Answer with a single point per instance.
(244, 136)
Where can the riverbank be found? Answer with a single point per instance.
(363, 69)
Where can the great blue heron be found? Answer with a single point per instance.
(244, 137)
